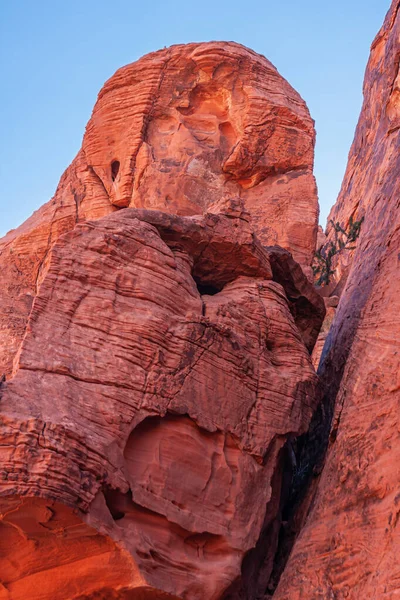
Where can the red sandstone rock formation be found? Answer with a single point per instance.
(350, 543)
(144, 430)
(161, 359)
(158, 365)
(186, 130)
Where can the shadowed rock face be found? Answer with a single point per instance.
(186, 130)
(350, 544)
(160, 377)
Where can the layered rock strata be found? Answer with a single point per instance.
(186, 130)
(145, 428)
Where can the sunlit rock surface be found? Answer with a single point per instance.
(186, 130)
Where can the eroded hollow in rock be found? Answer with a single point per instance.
(185, 494)
(207, 289)
(161, 449)
(114, 169)
(161, 546)
(117, 502)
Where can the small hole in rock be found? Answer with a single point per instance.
(116, 502)
(114, 169)
(118, 515)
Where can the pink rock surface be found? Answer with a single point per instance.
(162, 373)
(187, 130)
(350, 543)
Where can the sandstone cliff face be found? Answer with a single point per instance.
(350, 543)
(186, 130)
(157, 352)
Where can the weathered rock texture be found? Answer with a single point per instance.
(158, 361)
(350, 543)
(163, 370)
(186, 130)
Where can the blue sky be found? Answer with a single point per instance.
(55, 56)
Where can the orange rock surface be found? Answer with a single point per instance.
(144, 431)
(350, 544)
(156, 336)
(186, 130)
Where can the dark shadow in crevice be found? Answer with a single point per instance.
(207, 288)
(114, 169)
(117, 502)
(257, 566)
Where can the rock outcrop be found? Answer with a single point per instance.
(156, 336)
(145, 431)
(186, 130)
(350, 543)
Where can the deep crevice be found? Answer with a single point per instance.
(258, 564)
(303, 471)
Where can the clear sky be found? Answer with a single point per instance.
(56, 55)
